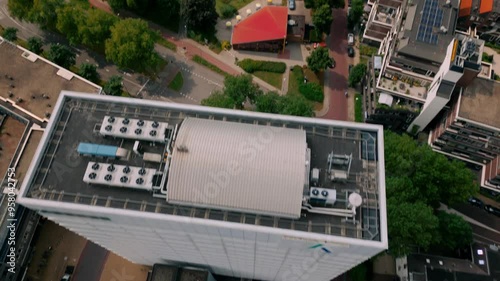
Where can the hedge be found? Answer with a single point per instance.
(251, 66)
(312, 91)
(227, 11)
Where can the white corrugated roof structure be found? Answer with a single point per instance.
(235, 166)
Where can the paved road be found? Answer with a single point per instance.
(337, 80)
(90, 264)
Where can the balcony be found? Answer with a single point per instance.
(404, 85)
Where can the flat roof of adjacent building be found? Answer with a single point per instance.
(57, 171)
(221, 154)
(35, 80)
(423, 37)
(480, 102)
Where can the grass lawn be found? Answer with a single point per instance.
(275, 79)
(358, 108)
(177, 82)
(210, 66)
(167, 44)
(296, 75)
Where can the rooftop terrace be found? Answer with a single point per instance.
(58, 171)
(480, 102)
(34, 83)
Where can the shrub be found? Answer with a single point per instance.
(225, 45)
(312, 91)
(227, 11)
(251, 66)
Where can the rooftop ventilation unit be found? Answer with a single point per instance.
(322, 196)
(315, 175)
(123, 176)
(135, 129)
(111, 167)
(126, 170)
(111, 119)
(95, 167)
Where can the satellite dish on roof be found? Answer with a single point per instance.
(355, 199)
(291, 22)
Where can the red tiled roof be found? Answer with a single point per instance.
(465, 7)
(269, 23)
(486, 6)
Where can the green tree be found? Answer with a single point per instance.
(199, 15)
(454, 230)
(89, 72)
(131, 44)
(270, 102)
(356, 75)
(117, 5)
(35, 45)
(334, 4)
(241, 89)
(44, 12)
(296, 105)
(355, 13)
(322, 18)
(218, 99)
(69, 19)
(10, 34)
(61, 55)
(20, 9)
(97, 28)
(410, 225)
(319, 60)
(114, 86)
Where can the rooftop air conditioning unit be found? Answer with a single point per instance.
(138, 131)
(140, 123)
(124, 179)
(108, 177)
(155, 124)
(126, 170)
(108, 128)
(142, 171)
(139, 181)
(111, 119)
(123, 130)
(92, 176)
(322, 196)
(111, 168)
(152, 133)
(95, 166)
(125, 121)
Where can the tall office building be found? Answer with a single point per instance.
(243, 194)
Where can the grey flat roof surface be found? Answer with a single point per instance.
(480, 102)
(59, 170)
(431, 52)
(267, 177)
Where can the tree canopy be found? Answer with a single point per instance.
(96, 28)
(35, 45)
(89, 72)
(218, 99)
(355, 14)
(319, 59)
(417, 180)
(199, 15)
(61, 55)
(10, 34)
(69, 18)
(322, 18)
(356, 74)
(131, 44)
(114, 86)
(241, 89)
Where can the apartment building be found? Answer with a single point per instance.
(483, 15)
(244, 194)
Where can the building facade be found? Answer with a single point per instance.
(249, 195)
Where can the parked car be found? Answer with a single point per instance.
(332, 64)
(68, 273)
(291, 4)
(350, 52)
(350, 39)
(492, 210)
(475, 202)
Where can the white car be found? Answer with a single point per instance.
(350, 39)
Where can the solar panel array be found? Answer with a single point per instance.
(432, 17)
